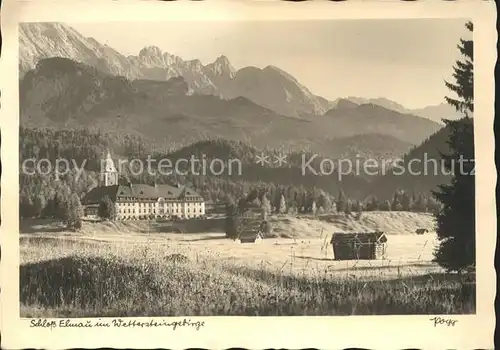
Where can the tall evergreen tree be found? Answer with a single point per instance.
(324, 201)
(282, 207)
(39, 204)
(75, 212)
(406, 202)
(313, 208)
(341, 201)
(456, 219)
(265, 206)
(386, 205)
(463, 73)
(395, 202)
(106, 208)
(348, 207)
(61, 200)
(234, 222)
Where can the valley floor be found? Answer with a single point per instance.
(140, 269)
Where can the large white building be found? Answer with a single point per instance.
(140, 201)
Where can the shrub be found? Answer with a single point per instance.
(266, 227)
(106, 208)
(234, 224)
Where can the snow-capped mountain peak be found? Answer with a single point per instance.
(221, 67)
(150, 51)
(270, 87)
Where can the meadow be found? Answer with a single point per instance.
(137, 269)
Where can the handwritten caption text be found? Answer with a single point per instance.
(115, 323)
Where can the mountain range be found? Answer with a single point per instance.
(68, 81)
(269, 87)
(63, 93)
(433, 112)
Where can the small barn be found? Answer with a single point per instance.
(359, 246)
(421, 231)
(250, 237)
(251, 222)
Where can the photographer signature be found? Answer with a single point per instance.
(443, 321)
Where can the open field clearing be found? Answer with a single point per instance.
(406, 255)
(141, 270)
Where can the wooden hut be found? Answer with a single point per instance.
(421, 231)
(251, 222)
(359, 246)
(250, 237)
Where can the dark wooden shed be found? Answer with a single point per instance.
(421, 231)
(359, 246)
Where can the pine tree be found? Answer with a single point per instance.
(277, 199)
(406, 202)
(265, 206)
(324, 201)
(61, 200)
(463, 73)
(386, 206)
(456, 219)
(75, 212)
(359, 210)
(229, 199)
(313, 208)
(372, 204)
(26, 208)
(359, 206)
(39, 205)
(341, 201)
(395, 202)
(234, 222)
(106, 208)
(282, 207)
(348, 207)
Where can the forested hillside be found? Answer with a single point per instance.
(85, 148)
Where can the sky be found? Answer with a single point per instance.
(405, 60)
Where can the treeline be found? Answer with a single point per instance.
(38, 192)
(58, 201)
(84, 146)
(292, 200)
(286, 188)
(277, 201)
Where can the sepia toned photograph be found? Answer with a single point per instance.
(243, 176)
(174, 172)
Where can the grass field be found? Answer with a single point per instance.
(139, 269)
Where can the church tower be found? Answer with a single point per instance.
(109, 175)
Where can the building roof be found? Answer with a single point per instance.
(97, 193)
(141, 191)
(361, 237)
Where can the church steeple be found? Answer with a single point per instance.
(109, 175)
